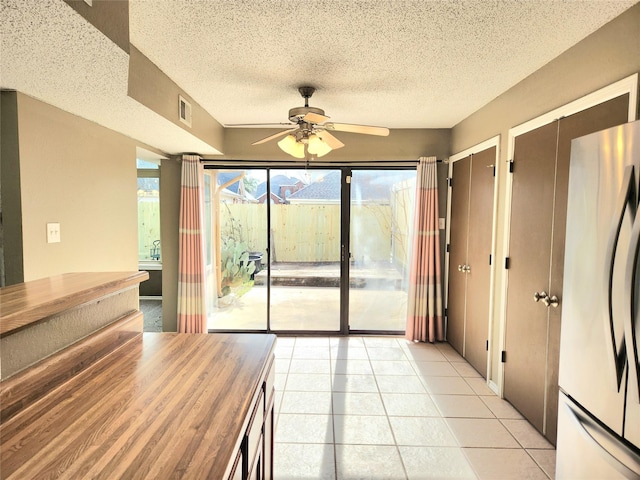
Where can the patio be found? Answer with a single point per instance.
(308, 298)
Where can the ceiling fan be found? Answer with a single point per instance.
(311, 130)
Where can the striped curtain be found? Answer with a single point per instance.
(424, 312)
(192, 316)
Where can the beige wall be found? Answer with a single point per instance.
(170, 173)
(406, 144)
(82, 176)
(608, 55)
(10, 203)
(153, 89)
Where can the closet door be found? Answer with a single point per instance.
(479, 250)
(532, 206)
(607, 114)
(536, 246)
(458, 234)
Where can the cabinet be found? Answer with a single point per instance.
(540, 172)
(472, 185)
(257, 445)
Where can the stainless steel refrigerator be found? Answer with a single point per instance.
(599, 378)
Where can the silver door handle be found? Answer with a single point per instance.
(551, 301)
(540, 296)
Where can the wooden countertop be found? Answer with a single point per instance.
(30, 302)
(166, 405)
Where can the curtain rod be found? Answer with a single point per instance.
(212, 163)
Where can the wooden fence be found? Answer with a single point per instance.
(311, 233)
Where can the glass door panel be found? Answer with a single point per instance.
(237, 247)
(305, 249)
(381, 218)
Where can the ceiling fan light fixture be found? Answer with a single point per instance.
(317, 146)
(291, 146)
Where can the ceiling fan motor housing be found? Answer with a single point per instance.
(296, 114)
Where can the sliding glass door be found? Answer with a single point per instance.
(305, 250)
(381, 213)
(308, 250)
(236, 250)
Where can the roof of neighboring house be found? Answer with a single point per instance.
(224, 177)
(365, 186)
(324, 188)
(277, 181)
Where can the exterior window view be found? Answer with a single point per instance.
(148, 211)
(281, 240)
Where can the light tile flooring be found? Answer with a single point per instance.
(382, 407)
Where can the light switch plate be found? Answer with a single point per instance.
(53, 233)
(441, 223)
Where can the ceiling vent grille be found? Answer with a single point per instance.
(184, 111)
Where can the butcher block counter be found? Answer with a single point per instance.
(160, 405)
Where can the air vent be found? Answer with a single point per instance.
(184, 111)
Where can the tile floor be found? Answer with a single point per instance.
(382, 407)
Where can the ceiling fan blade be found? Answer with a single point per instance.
(329, 139)
(256, 124)
(275, 135)
(366, 129)
(314, 118)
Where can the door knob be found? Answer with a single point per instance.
(460, 268)
(467, 268)
(540, 296)
(551, 301)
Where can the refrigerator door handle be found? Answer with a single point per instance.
(617, 454)
(626, 199)
(631, 320)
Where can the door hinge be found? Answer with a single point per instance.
(487, 346)
(507, 263)
(446, 310)
(494, 170)
(490, 259)
(450, 181)
(510, 166)
(503, 357)
(448, 247)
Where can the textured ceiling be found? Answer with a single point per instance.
(51, 53)
(401, 64)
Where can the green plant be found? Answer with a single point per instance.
(236, 267)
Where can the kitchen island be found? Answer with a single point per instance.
(147, 405)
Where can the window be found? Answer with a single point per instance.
(149, 250)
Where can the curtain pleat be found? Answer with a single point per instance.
(424, 312)
(192, 315)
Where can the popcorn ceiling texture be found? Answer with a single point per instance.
(51, 53)
(396, 63)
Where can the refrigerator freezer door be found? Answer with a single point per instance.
(588, 451)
